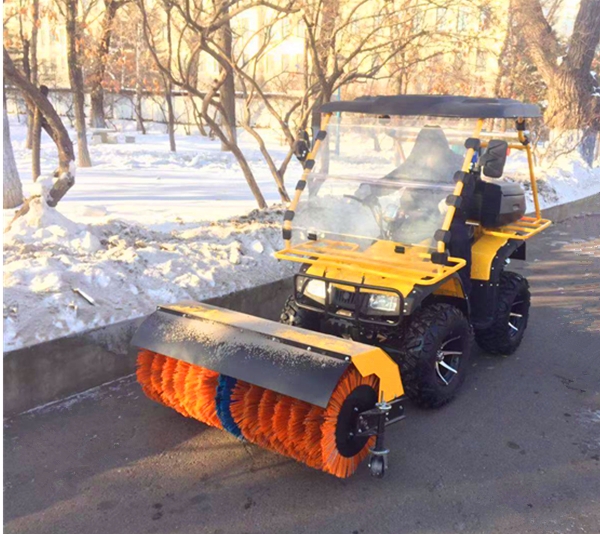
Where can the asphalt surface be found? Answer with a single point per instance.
(518, 451)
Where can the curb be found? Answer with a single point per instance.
(565, 211)
(55, 369)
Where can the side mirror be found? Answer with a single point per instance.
(494, 158)
(302, 146)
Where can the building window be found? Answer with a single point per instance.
(481, 60)
(440, 18)
(462, 20)
(459, 62)
(418, 20)
(286, 28)
(485, 17)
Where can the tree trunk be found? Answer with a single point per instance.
(139, 93)
(570, 103)
(76, 80)
(227, 91)
(35, 98)
(139, 118)
(32, 75)
(270, 163)
(12, 189)
(97, 117)
(36, 144)
(170, 116)
(26, 43)
(239, 155)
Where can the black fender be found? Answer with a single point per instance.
(484, 293)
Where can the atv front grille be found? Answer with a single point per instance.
(347, 300)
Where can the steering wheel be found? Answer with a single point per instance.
(371, 202)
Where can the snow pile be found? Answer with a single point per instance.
(126, 269)
(564, 179)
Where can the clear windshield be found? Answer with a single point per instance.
(382, 179)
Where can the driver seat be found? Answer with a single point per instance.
(430, 160)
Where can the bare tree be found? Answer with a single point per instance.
(204, 23)
(11, 183)
(69, 9)
(346, 45)
(565, 67)
(99, 59)
(224, 40)
(29, 16)
(139, 90)
(55, 127)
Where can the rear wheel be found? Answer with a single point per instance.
(293, 315)
(510, 321)
(435, 354)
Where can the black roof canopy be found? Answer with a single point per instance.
(436, 106)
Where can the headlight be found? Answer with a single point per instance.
(385, 303)
(316, 290)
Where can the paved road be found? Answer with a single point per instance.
(518, 451)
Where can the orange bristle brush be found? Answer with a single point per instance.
(334, 462)
(144, 374)
(156, 372)
(169, 395)
(319, 437)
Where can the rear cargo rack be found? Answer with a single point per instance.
(522, 229)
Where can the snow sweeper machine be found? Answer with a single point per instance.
(402, 228)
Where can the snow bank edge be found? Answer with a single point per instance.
(55, 369)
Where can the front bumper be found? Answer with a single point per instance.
(347, 301)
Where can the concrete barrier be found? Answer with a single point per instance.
(56, 369)
(561, 212)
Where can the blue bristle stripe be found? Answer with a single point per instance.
(223, 402)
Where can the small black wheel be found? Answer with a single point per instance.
(510, 320)
(434, 354)
(377, 466)
(293, 315)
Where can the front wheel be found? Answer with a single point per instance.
(510, 320)
(435, 355)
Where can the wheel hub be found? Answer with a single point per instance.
(516, 317)
(448, 359)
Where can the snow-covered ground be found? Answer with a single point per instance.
(146, 183)
(145, 226)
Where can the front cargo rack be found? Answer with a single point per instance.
(410, 266)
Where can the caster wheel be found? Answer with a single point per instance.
(377, 466)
